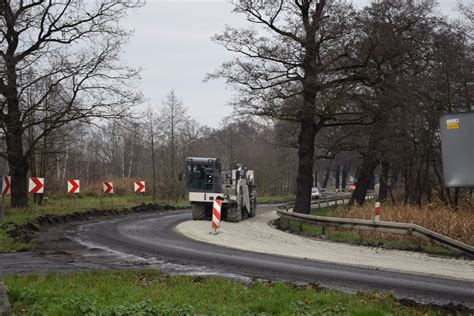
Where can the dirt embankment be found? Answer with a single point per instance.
(26, 231)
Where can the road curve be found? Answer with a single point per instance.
(153, 237)
(256, 235)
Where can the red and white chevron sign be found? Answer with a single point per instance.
(73, 186)
(6, 187)
(36, 185)
(108, 187)
(139, 186)
(216, 214)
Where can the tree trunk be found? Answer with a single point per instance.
(372, 182)
(364, 178)
(345, 173)
(153, 166)
(337, 177)
(304, 179)
(456, 198)
(17, 161)
(383, 191)
(65, 165)
(326, 178)
(19, 172)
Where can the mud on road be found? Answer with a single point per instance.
(57, 250)
(27, 231)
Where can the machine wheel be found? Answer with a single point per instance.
(253, 203)
(199, 212)
(233, 214)
(245, 214)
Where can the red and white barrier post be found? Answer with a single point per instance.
(74, 186)
(139, 187)
(108, 188)
(216, 216)
(377, 212)
(5, 188)
(36, 186)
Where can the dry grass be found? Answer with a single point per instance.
(458, 225)
(121, 187)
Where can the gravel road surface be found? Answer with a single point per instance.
(257, 235)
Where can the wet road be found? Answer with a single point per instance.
(153, 240)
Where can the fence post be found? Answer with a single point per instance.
(377, 212)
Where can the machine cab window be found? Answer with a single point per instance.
(201, 175)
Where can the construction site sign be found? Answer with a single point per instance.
(457, 147)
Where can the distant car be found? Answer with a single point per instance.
(315, 194)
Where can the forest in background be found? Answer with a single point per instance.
(381, 77)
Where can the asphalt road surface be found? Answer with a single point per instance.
(154, 240)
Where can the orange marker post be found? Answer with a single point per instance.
(216, 216)
(377, 212)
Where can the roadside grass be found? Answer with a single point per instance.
(61, 205)
(323, 211)
(67, 204)
(275, 198)
(384, 240)
(8, 244)
(148, 292)
(458, 224)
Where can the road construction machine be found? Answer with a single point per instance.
(207, 182)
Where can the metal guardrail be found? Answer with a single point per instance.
(337, 200)
(381, 226)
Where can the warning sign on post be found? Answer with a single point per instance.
(73, 186)
(452, 123)
(6, 180)
(139, 186)
(108, 187)
(36, 185)
(457, 139)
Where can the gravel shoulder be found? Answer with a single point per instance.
(257, 235)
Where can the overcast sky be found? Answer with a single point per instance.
(172, 46)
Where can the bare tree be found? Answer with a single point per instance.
(310, 47)
(58, 63)
(174, 119)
